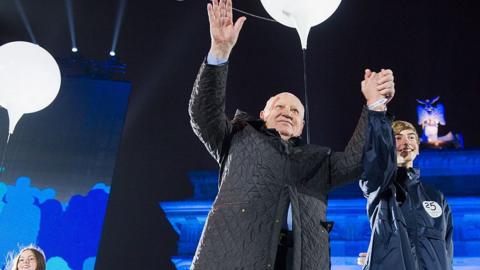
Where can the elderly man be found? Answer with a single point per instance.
(411, 223)
(264, 167)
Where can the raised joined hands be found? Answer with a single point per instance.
(376, 86)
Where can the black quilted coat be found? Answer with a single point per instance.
(259, 175)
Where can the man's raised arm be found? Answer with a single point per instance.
(207, 102)
(372, 129)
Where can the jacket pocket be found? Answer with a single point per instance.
(433, 233)
(433, 241)
(235, 221)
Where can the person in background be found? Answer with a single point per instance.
(29, 258)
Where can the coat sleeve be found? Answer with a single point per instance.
(372, 130)
(379, 158)
(207, 108)
(449, 234)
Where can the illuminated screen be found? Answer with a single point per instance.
(57, 169)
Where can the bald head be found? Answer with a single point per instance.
(284, 95)
(284, 112)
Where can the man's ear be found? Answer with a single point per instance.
(301, 128)
(262, 115)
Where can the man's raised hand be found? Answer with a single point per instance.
(224, 33)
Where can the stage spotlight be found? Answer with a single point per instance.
(25, 20)
(71, 24)
(118, 24)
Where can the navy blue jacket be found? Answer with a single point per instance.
(411, 223)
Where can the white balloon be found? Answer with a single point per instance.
(29, 79)
(301, 14)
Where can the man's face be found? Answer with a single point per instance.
(284, 113)
(407, 147)
(27, 261)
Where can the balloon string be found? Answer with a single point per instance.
(307, 112)
(253, 15)
(249, 14)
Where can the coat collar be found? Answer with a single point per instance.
(408, 176)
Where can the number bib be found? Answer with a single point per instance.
(432, 208)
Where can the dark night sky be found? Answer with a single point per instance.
(432, 47)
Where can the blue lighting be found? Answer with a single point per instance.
(112, 53)
(68, 232)
(454, 172)
(74, 49)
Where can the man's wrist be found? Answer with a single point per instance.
(219, 52)
(379, 105)
(214, 60)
